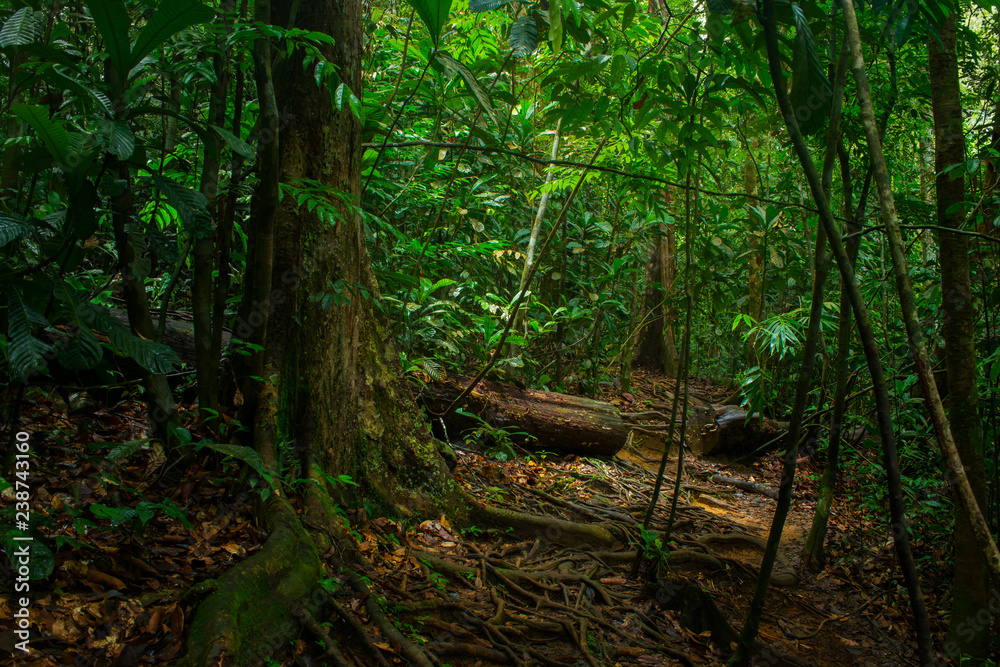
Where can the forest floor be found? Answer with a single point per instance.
(122, 583)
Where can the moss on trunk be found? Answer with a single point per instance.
(251, 614)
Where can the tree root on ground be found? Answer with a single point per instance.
(251, 612)
(550, 592)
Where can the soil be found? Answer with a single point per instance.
(121, 590)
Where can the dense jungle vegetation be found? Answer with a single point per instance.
(257, 258)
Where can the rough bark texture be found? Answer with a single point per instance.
(970, 595)
(343, 401)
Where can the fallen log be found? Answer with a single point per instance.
(752, 487)
(727, 429)
(539, 420)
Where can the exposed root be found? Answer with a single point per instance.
(410, 650)
(251, 612)
(548, 528)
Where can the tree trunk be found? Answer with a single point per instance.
(755, 260)
(344, 401)
(813, 552)
(202, 285)
(655, 347)
(971, 590)
(536, 231)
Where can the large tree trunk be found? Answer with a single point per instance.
(971, 589)
(343, 399)
(332, 399)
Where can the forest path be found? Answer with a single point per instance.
(860, 624)
(117, 594)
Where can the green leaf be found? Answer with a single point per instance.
(482, 97)
(52, 134)
(170, 18)
(523, 36)
(41, 560)
(117, 138)
(191, 205)
(82, 351)
(342, 92)
(555, 25)
(238, 145)
(113, 22)
(434, 14)
(628, 15)
(12, 229)
(486, 5)
(720, 6)
(23, 27)
(811, 92)
(65, 82)
(240, 453)
(125, 450)
(154, 357)
(25, 353)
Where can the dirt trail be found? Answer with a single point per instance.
(854, 630)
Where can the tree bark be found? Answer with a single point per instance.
(344, 401)
(970, 593)
(202, 285)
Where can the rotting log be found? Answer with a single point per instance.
(733, 430)
(541, 420)
(548, 421)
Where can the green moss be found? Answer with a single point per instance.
(251, 613)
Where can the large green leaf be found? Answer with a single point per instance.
(234, 142)
(116, 137)
(240, 453)
(811, 92)
(523, 37)
(482, 97)
(52, 134)
(82, 351)
(25, 353)
(154, 357)
(487, 5)
(65, 82)
(23, 27)
(190, 204)
(113, 22)
(12, 229)
(555, 25)
(434, 14)
(171, 17)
